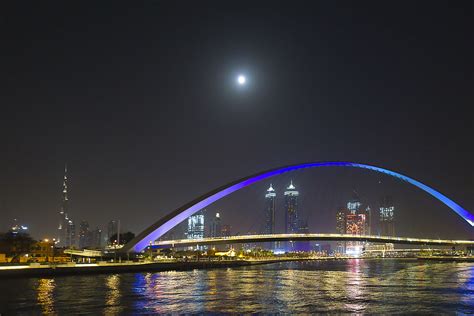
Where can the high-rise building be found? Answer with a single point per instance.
(17, 228)
(215, 228)
(63, 214)
(291, 209)
(353, 206)
(341, 221)
(356, 223)
(70, 241)
(341, 228)
(196, 226)
(387, 227)
(112, 230)
(96, 238)
(368, 221)
(84, 235)
(291, 213)
(270, 197)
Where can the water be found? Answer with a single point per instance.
(356, 286)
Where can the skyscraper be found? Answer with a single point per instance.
(269, 227)
(270, 211)
(291, 209)
(356, 223)
(368, 221)
(341, 221)
(341, 228)
(63, 222)
(387, 227)
(215, 228)
(84, 235)
(96, 238)
(196, 226)
(66, 228)
(291, 213)
(112, 230)
(70, 233)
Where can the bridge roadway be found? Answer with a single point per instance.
(308, 237)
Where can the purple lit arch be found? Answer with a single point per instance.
(169, 221)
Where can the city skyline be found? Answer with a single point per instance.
(375, 203)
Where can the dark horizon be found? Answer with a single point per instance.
(141, 103)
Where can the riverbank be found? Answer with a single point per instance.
(447, 258)
(36, 270)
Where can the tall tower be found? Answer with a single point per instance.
(387, 227)
(270, 211)
(63, 210)
(341, 223)
(84, 235)
(196, 227)
(215, 229)
(291, 209)
(66, 227)
(356, 224)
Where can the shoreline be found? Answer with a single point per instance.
(26, 271)
(130, 267)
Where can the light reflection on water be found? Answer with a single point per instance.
(113, 295)
(45, 295)
(355, 286)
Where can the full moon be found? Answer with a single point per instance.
(241, 79)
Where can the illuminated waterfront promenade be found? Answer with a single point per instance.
(36, 270)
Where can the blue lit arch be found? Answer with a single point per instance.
(169, 221)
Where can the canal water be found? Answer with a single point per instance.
(355, 286)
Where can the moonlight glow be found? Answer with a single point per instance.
(241, 80)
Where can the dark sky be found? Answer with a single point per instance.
(139, 98)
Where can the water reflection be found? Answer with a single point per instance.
(345, 286)
(355, 287)
(45, 295)
(113, 295)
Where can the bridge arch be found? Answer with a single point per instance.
(166, 223)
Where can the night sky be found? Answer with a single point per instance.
(140, 100)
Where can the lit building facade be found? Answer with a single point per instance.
(291, 209)
(66, 228)
(70, 241)
(216, 227)
(341, 228)
(357, 222)
(63, 220)
(84, 235)
(196, 226)
(386, 215)
(269, 225)
(291, 213)
(270, 197)
(17, 228)
(96, 238)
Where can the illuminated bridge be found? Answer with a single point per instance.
(166, 223)
(244, 239)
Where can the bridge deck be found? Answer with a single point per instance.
(309, 237)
